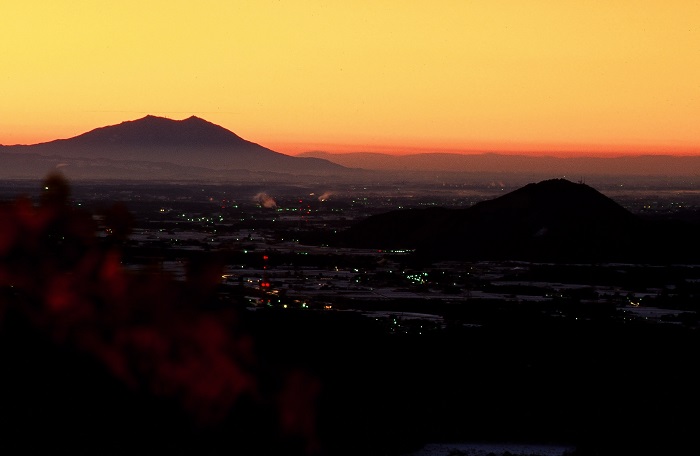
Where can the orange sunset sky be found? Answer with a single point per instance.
(555, 77)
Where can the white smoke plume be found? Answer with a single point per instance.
(265, 200)
(325, 196)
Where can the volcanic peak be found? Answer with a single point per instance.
(154, 130)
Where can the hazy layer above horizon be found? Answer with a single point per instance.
(160, 148)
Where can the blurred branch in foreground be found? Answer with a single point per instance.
(67, 286)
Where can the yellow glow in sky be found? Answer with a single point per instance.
(400, 76)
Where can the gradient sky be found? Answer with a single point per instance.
(392, 76)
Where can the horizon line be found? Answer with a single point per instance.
(540, 149)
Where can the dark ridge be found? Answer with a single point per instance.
(553, 202)
(553, 220)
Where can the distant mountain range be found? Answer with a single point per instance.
(641, 165)
(553, 220)
(158, 148)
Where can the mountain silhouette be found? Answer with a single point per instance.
(160, 145)
(632, 165)
(553, 220)
(156, 131)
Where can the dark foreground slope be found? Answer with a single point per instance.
(553, 220)
(332, 384)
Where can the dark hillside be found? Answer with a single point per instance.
(553, 220)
